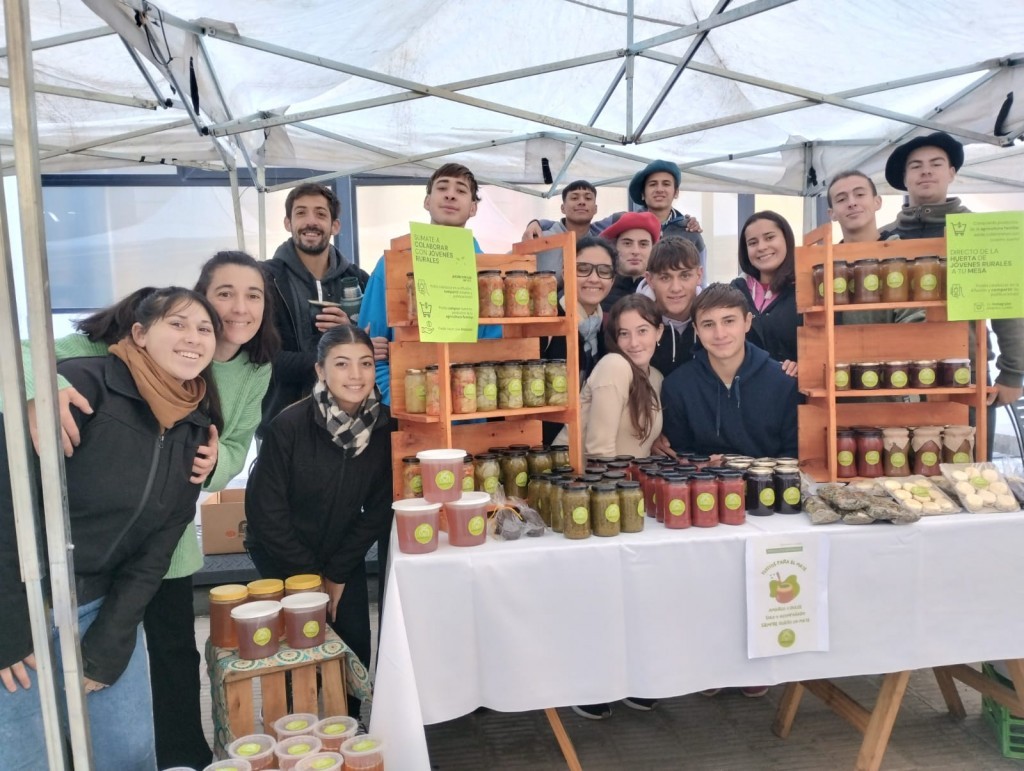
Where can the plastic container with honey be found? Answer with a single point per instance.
(222, 600)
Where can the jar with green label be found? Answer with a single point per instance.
(926, 444)
(412, 478)
(486, 386)
(923, 373)
(536, 490)
(896, 374)
(731, 497)
(468, 474)
(925, 281)
(544, 293)
(554, 502)
(675, 507)
(818, 284)
(410, 297)
(760, 492)
(491, 289)
(955, 373)
(895, 452)
(415, 391)
(515, 474)
(533, 383)
(704, 497)
(846, 454)
(895, 280)
(539, 461)
(606, 514)
(958, 444)
(787, 491)
(433, 390)
(842, 275)
(576, 511)
(867, 281)
(867, 375)
(869, 452)
(555, 383)
(559, 455)
(463, 388)
(631, 507)
(842, 376)
(510, 385)
(487, 472)
(517, 294)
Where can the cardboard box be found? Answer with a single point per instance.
(222, 520)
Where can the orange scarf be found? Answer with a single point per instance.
(169, 399)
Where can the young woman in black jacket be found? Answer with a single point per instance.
(320, 492)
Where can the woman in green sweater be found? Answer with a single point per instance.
(234, 284)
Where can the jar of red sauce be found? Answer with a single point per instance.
(704, 496)
(731, 498)
(846, 454)
(869, 452)
(676, 509)
(222, 600)
(650, 480)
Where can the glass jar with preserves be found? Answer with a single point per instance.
(533, 383)
(491, 289)
(787, 491)
(486, 471)
(410, 297)
(818, 284)
(676, 505)
(842, 274)
(926, 443)
(867, 283)
(866, 375)
(896, 374)
(539, 460)
(895, 452)
(554, 502)
(923, 373)
(575, 511)
(650, 482)
(846, 454)
(942, 277)
(700, 461)
(222, 600)
(605, 513)
(925, 280)
(415, 391)
(544, 293)
(760, 491)
(559, 455)
(660, 499)
(412, 478)
(565, 471)
(841, 377)
(731, 498)
(955, 373)
(704, 496)
(302, 583)
(468, 474)
(614, 476)
(895, 280)
(515, 474)
(595, 468)
(510, 385)
(536, 489)
(433, 390)
(517, 294)
(631, 506)
(555, 383)
(869, 452)
(958, 444)
(486, 386)
(463, 388)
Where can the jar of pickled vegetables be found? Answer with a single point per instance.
(606, 515)
(515, 474)
(410, 296)
(486, 386)
(575, 511)
(539, 460)
(415, 391)
(491, 289)
(412, 478)
(468, 474)
(533, 383)
(510, 385)
(631, 507)
(463, 388)
(559, 455)
(544, 293)
(555, 383)
(554, 502)
(486, 471)
(517, 294)
(433, 390)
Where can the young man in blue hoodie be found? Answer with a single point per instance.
(732, 398)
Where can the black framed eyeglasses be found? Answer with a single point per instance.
(584, 269)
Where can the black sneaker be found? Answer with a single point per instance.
(593, 711)
(642, 705)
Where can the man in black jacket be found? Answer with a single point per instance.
(305, 269)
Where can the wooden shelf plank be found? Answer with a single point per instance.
(817, 393)
(875, 306)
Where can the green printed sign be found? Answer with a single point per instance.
(984, 279)
(444, 264)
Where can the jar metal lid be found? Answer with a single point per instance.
(628, 485)
(489, 272)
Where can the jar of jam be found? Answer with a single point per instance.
(410, 297)
(704, 496)
(926, 442)
(486, 386)
(555, 383)
(606, 514)
(895, 280)
(955, 373)
(818, 284)
(491, 289)
(575, 511)
(895, 452)
(463, 388)
(631, 506)
(675, 495)
(731, 498)
(515, 473)
(867, 375)
(660, 497)
(650, 481)
(302, 583)
(869, 452)
(559, 455)
(760, 492)
(846, 454)
(942, 277)
(533, 383)
(867, 283)
(700, 461)
(468, 474)
(926, 279)
(433, 390)
(510, 385)
(842, 274)
(787, 490)
(923, 373)
(222, 600)
(841, 377)
(517, 294)
(415, 391)
(958, 444)
(412, 478)
(896, 374)
(544, 293)
(268, 589)
(486, 471)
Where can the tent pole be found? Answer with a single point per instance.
(261, 192)
(236, 201)
(630, 61)
(55, 512)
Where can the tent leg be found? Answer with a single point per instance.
(236, 202)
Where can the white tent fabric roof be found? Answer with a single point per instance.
(776, 95)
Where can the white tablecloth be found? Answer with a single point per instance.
(549, 622)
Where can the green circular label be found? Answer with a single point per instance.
(580, 515)
(249, 748)
(497, 297)
(335, 728)
(417, 484)
(553, 299)
(262, 635)
(522, 478)
(929, 458)
(322, 763)
(733, 501)
(839, 286)
(767, 497)
(467, 484)
(611, 513)
(296, 725)
(514, 386)
(845, 458)
(929, 282)
(869, 379)
(962, 376)
(897, 459)
(420, 391)
(821, 289)
(476, 525)
(705, 501)
(677, 507)
(918, 490)
(791, 495)
(310, 629)
(894, 280)
(787, 637)
(871, 457)
(299, 749)
(926, 376)
(423, 533)
(842, 378)
(558, 383)
(444, 480)
(961, 457)
(851, 285)
(979, 482)
(522, 296)
(640, 507)
(871, 282)
(537, 387)
(490, 484)
(898, 379)
(491, 391)
(469, 390)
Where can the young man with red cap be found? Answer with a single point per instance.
(634, 234)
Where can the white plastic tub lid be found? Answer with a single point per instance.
(446, 455)
(471, 499)
(257, 609)
(305, 600)
(415, 506)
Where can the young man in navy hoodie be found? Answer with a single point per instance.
(732, 398)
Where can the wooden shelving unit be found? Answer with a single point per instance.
(821, 342)
(520, 341)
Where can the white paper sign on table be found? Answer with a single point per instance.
(787, 595)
